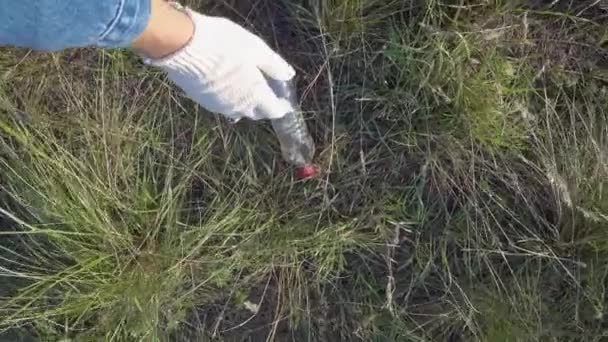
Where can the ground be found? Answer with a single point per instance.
(464, 154)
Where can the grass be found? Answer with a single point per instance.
(463, 147)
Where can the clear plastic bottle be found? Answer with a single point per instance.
(297, 146)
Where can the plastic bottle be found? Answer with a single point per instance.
(297, 146)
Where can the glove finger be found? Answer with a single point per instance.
(273, 65)
(269, 106)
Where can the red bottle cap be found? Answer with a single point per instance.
(307, 172)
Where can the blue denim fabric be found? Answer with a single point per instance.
(59, 24)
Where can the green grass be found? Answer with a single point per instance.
(463, 147)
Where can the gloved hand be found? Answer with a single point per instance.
(223, 68)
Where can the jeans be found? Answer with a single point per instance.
(53, 25)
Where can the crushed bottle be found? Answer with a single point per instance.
(297, 146)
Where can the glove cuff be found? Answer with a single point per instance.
(182, 60)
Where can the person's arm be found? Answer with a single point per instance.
(52, 25)
(167, 31)
(218, 64)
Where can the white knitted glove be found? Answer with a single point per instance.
(223, 68)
